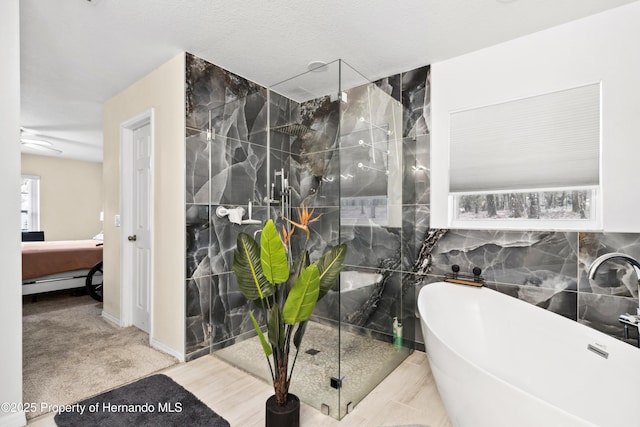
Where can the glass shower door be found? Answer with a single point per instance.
(304, 123)
(372, 312)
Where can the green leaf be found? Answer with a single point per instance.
(273, 257)
(265, 345)
(330, 265)
(297, 338)
(246, 265)
(302, 297)
(300, 263)
(275, 327)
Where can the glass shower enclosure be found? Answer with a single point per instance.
(333, 142)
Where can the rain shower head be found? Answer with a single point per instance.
(293, 129)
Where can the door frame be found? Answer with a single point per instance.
(127, 129)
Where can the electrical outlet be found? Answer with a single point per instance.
(117, 220)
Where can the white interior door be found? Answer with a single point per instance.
(140, 236)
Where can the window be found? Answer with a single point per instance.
(30, 205)
(531, 163)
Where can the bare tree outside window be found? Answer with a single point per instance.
(546, 205)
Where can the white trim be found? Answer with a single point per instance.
(111, 318)
(168, 350)
(126, 253)
(13, 419)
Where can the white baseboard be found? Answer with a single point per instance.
(166, 349)
(111, 318)
(13, 419)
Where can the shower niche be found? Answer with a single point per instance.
(332, 141)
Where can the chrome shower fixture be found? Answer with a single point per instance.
(366, 167)
(211, 133)
(635, 264)
(294, 129)
(372, 145)
(235, 215)
(384, 128)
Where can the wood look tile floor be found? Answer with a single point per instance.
(407, 396)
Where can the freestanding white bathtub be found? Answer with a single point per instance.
(502, 362)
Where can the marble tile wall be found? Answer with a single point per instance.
(549, 269)
(365, 170)
(235, 167)
(226, 171)
(384, 181)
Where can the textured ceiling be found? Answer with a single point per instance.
(76, 54)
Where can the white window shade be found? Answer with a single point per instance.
(542, 142)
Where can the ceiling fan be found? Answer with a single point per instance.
(37, 142)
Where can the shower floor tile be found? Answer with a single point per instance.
(364, 363)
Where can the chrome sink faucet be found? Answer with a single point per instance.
(620, 256)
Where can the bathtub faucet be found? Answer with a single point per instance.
(616, 255)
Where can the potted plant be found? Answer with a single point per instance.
(287, 289)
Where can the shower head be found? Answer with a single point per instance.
(293, 129)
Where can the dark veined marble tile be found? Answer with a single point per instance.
(532, 258)
(259, 138)
(282, 109)
(324, 233)
(280, 141)
(314, 178)
(371, 173)
(384, 302)
(614, 277)
(224, 235)
(564, 303)
(415, 224)
(601, 312)
(372, 246)
(363, 175)
(319, 114)
(416, 182)
(370, 115)
(370, 212)
(416, 101)
(320, 137)
(197, 168)
(370, 299)
(230, 309)
(241, 118)
(281, 115)
(197, 241)
(194, 337)
(198, 327)
(238, 171)
(391, 85)
(310, 131)
(209, 87)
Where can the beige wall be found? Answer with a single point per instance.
(70, 196)
(163, 91)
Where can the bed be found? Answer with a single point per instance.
(56, 265)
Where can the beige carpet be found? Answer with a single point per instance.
(71, 353)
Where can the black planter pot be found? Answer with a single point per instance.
(287, 415)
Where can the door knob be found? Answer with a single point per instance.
(132, 238)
